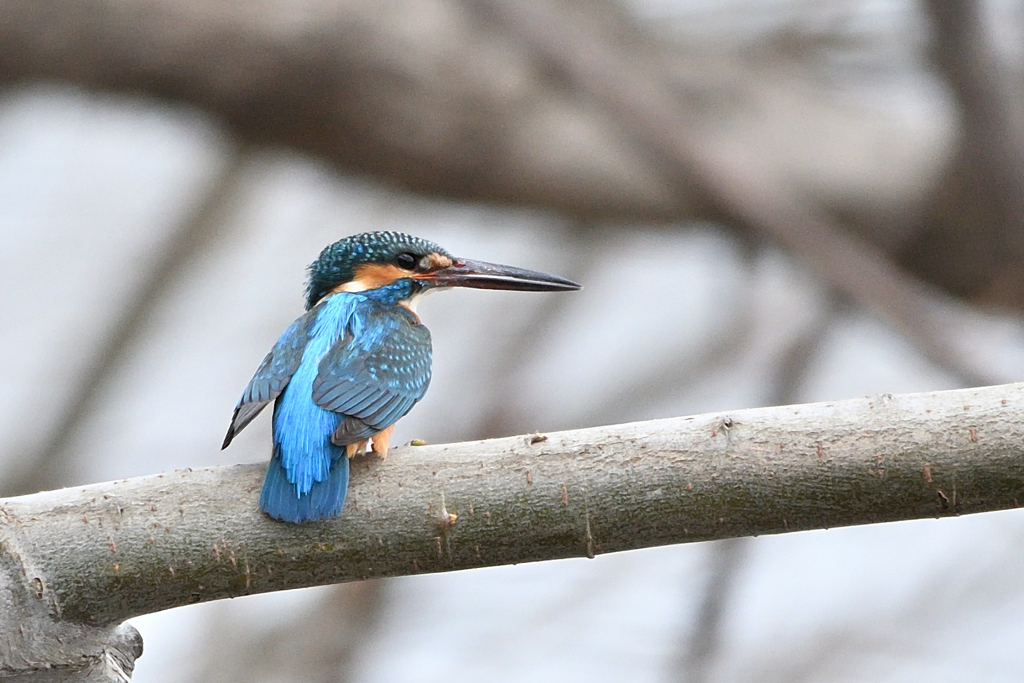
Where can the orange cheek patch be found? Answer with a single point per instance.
(372, 276)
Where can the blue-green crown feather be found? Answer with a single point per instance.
(338, 262)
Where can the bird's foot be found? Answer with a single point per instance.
(380, 442)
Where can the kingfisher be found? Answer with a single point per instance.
(356, 362)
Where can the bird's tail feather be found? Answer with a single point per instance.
(325, 499)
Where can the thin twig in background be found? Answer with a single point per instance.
(697, 654)
(49, 467)
(503, 415)
(741, 185)
(971, 241)
(320, 643)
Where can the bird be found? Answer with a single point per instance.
(358, 360)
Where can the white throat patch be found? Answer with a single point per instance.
(412, 302)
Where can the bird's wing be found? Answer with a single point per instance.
(375, 373)
(273, 374)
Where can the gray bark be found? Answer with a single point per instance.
(77, 562)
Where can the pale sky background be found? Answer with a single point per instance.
(92, 191)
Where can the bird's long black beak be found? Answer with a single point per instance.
(482, 275)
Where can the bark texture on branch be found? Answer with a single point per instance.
(94, 556)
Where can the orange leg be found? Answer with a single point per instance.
(380, 441)
(356, 448)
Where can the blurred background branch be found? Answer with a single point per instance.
(480, 102)
(578, 109)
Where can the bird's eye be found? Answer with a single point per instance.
(406, 260)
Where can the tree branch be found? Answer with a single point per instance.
(94, 556)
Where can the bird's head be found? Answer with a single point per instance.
(372, 260)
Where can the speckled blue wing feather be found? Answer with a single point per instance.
(308, 475)
(349, 368)
(273, 374)
(376, 374)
